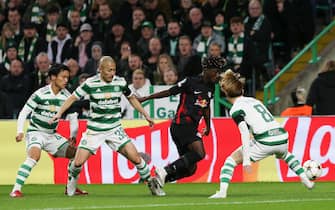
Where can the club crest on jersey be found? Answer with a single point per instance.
(201, 102)
(52, 108)
(108, 95)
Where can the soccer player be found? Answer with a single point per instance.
(104, 91)
(194, 104)
(269, 137)
(43, 104)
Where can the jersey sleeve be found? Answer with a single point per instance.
(32, 102)
(82, 90)
(179, 87)
(238, 115)
(126, 91)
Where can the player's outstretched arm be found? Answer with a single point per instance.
(137, 105)
(207, 118)
(20, 122)
(245, 137)
(162, 94)
(69, 101)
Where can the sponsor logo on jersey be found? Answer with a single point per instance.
(108, 102)
(201, 102)
(47, 114)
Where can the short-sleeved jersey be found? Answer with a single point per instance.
(44, 105)
(105, 108)
(195, 96)
(264, 127)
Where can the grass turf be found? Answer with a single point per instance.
(251, 196)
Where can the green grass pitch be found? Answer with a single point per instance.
(251, 196)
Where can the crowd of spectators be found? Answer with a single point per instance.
(166, 40)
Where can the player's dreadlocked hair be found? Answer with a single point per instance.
(213, 62)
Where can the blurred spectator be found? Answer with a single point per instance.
(220, 27)
(74, 24)
(39, 76)
(258, 33)
(193, 27)
(298, 15)
(235, 8)
(170, 77)
(83, 45)
(74, 74)
(150, 9)
(321, 91)
(4, 106)
(273, 10)
(126, 11)
(10, 55)
(30, 45)
(170, 42)
(16, 85)
(48, 32)
(60, 48)
(92, 63)
(94, 9)
(160, 30)
(147, 32)
(140, 87)
(237, 47)
(122, 64)
(114, 40)
(205, 38)
(102, 26)
(138, 17)
(36, 12)
(214, 50)
(14, 19)
(182, 13)
(7, 37)
(134, 62)
(211, 8)
(80, 6)
(188, 63)
(155, 49)
(164, 63)
(299, 107)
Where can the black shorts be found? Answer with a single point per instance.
(184, 135)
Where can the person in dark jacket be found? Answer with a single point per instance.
(321, 91)
(16, 86)
(4, 107)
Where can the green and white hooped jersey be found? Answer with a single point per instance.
(44, 105)
(266, 130)
(105, 108)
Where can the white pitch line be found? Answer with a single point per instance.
(189, 204)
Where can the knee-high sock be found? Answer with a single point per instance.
(143, 170)
(293, 163)
(226, 173)
(73, 170)
(23, 173)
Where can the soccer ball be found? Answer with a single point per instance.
(312, 169)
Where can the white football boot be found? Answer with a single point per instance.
(218, 194)
(160, 175)
(155, 188)
(308, 183)
(71, 186)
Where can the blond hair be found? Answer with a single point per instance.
(231, 84)
(105, 59)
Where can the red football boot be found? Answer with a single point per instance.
(16, 194)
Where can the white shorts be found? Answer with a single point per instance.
(115, 139)
(50, 143)
(260, 151)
